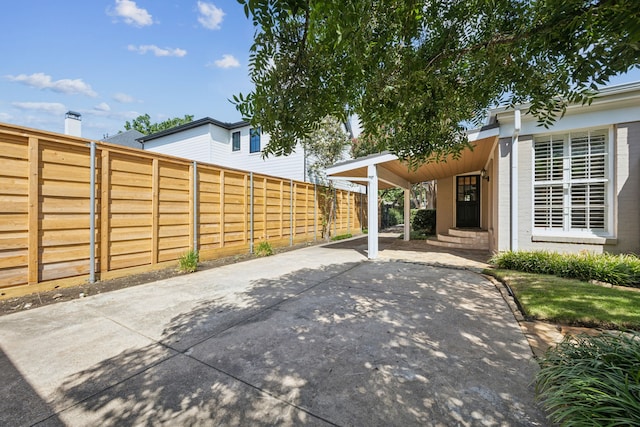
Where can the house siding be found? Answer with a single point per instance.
(503, 203)
(445, 208)
(525, 192)
(212, 144)
(626, 227)
(291, 166)
(627, 188)
(193, 144)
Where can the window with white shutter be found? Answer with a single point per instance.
(571, 182)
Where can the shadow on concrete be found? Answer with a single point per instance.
(20, 404)
(364, 344)
(390, 246)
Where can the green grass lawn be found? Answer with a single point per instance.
(572, 302)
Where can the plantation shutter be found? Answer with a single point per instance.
(570, 181)
(548, 196)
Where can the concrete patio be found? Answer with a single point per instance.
(317, 336)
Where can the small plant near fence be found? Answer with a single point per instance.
(342, 237)
(188, 262)
(263, 248)
(621, 270)
(592, 381)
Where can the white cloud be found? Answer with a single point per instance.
(47, 107)
(5, 117)
(132, 14)
(103, 106)
(210, 15)
(123, 98)
(227, 61)
(44, 81)
(157, 51)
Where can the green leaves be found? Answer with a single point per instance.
(592, 381)
(143, 123)
(414, 70)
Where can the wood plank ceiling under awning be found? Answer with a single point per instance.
(470, 160)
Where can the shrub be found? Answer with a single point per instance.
(391, 216)
(622, 270)
(592, 381)
(188, 262)
(424, 219)
(264, 248)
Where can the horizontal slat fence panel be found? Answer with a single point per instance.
(149, 210)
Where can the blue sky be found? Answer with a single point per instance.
(112, 60)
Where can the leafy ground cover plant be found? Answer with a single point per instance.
(188, 262)
(264, 248)
(592, 381)
(622, 270)
(342, 237)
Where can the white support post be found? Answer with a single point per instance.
(372, 192)
(407, 214)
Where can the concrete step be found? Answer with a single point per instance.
(479, 240)
(462, 232)
(435, 242)
(462, 239)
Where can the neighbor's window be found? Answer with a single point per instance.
(254, 140)
(571, 181)
(235, 141)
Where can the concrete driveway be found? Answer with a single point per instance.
(318, 336)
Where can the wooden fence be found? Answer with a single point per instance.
(149, 209)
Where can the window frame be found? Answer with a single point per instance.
(255, 133)
(236, 147)
(567, 182)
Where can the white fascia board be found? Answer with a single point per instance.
(478, 134)
(357, 164)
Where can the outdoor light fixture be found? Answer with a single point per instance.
(483, 175)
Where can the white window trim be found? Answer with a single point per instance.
(548, 234)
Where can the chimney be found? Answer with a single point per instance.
(73, 123)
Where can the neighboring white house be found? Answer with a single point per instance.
(573, 186)
(232, 145)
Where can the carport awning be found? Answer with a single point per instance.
(392, 172)
(385, 170)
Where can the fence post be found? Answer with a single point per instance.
(250, 212)
(290, 212)
(33, 269)
(335, 212)
(349, 212)
(195, 206)
(92, 214)
(315, 212)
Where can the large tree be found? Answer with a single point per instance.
(143, 123)
(415, 70)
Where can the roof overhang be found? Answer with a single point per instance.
(393, 172)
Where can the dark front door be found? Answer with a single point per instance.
(468, 201)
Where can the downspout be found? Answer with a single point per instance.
(517, 124)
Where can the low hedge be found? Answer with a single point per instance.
(423, 219)
(621, 270)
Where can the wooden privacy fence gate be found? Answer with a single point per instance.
(148, 209)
